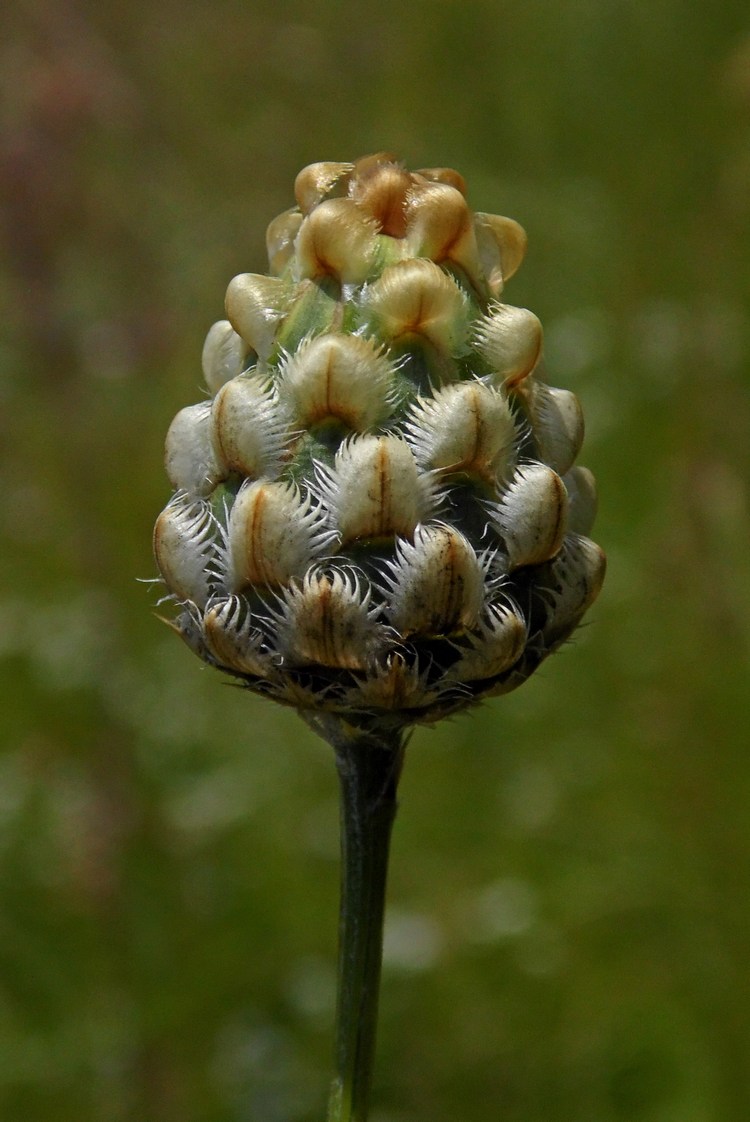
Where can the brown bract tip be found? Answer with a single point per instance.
(381, 189)
(320, 181)
(444, 175)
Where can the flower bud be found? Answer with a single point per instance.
(337, 239)
(465, 427)
(570, 585)
(436, 585)
(531, 516)
(556, 421)
(394, 683)
(341, 377)
(183, 541)
(254, 306)
(443, 175)
(439, 224)
(280, 237)
(416, 297)
(378, 515)
(382, 192)
(274, 534)
(375, 489)
(224, 355)
(510, 339)
(582, 500)
(248, 428)
(190, 458)
(232, 640)
(316, 182)
(328, 620)
(493, 647)
(501, 244)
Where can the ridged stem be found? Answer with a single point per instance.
(369, 767)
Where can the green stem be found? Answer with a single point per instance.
(369, 766)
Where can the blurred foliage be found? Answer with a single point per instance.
(569, 928)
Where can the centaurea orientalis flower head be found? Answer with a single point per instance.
(377, 518)
(376, 512)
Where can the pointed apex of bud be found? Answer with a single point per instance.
(381, 189)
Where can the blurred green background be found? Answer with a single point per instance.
(569, 932)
